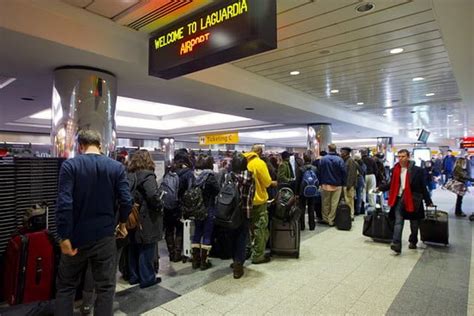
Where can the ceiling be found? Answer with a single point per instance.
(333, 46)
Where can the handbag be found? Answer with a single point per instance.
(133, 220)
(455, 186)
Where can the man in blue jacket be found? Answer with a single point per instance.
(448, 165)
(332, 178)
(89, 186)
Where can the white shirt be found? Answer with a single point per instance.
(403, 177)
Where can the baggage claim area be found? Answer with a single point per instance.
(295, 136)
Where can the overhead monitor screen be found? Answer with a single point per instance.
(223, 32)
(423, 137)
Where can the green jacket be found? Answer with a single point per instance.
(284, 174)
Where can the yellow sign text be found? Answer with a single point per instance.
(214, 139)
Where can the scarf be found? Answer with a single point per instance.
(395, 188)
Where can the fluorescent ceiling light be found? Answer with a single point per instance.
(360, 103)
(396, 50)
(199, 120)
(360, 140)
(5, 82)
(450, 115)
(430, 94)
(130, 105)
(418, 79)
(272, 134)
(43, 115)
(295, 73)
(384, 114)
(334, 91)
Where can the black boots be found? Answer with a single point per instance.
(205, 263)
(238, 270)
(196, 257)
(178, 244)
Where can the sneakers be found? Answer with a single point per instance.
(412, 246)
(264, 260)
(86, 309)
(461, 214)
(238, 270)
(397, 248)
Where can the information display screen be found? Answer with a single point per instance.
(223, 32)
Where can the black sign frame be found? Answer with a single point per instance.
(246, 34)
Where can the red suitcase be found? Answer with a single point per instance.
(29, 268)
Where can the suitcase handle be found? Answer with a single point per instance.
(39, 270)
(431, 211)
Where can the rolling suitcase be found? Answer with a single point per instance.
(343, 220)
(285, 237)
(29, 268)
(435, 227)
(188, 232)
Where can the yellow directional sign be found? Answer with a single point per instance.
(214, 139)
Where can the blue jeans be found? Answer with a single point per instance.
(203, 229)
(399, 221)
(240, 239)
(359, 190)
(141, 258)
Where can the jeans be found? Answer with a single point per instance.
(239, 241)
(141, 258)
(311, 202)
(203, 229)
(102, 257)
(399, 221)
(458, 209)
(259, 222)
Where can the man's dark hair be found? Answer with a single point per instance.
(204, 162)
(89, 137)
(307, 157)
(323, 153)
(404, 151)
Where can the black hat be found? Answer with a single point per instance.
(285, 155)
(348, 149)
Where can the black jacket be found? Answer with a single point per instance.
(207, 180)
(151, 213)
(418, 190)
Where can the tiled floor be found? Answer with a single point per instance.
(339, 273)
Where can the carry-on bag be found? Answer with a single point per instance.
(378, 226)
(29, 268)
(343, 220)
(188, 233)
(285, 237)
(30, 262)
(435, 227)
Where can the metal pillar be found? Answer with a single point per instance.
(83, 98)
(319, 136)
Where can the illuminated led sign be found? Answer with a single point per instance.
(223, 32)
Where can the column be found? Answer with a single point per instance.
(167, 146)
(83, 98)
(319, 136)
(384, 144)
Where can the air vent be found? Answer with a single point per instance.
(365, 7)
(158, 13)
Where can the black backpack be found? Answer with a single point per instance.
(229, 208)
(284, 203)
(192, 204)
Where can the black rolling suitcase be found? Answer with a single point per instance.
(378, 226)
(343, 218)
(285, 237)
(435, 228)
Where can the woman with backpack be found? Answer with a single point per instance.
(144, 238)
(202, 239)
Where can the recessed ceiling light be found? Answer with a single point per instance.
(418, 79)
(325, 52)
(249, 109)
(460, 124)
(450, 115)
(455, 121)
(360, 103)
(365, 7)
(5, 81)
(295, 73)
(413, 112)
(28, 99)
(334, 91)
(430, 94)
(385, 114)
(396, 50)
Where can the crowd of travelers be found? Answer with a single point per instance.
(93, 187)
